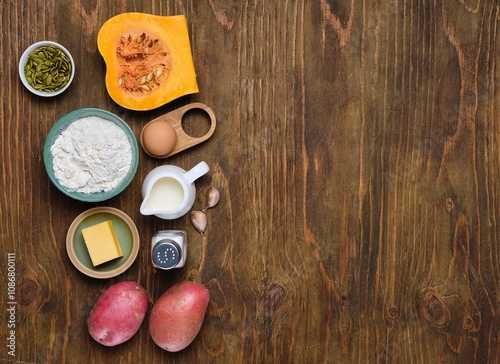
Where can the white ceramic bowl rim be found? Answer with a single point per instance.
(24, 58)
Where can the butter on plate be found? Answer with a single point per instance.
(102, 242)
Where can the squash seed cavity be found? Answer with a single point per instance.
(144, 62)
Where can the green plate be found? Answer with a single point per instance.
(126, 231)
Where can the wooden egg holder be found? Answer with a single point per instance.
(184, 141)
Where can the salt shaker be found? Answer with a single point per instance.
(169, 249)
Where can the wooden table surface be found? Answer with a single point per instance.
(357, 157)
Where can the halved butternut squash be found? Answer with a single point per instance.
(148, 59)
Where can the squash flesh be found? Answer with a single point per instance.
(148, 59)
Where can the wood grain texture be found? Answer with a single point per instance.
(357, 156)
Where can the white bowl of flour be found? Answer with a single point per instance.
(91, 155)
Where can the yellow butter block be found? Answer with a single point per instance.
(102, 242)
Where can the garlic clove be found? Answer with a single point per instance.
(199, 221)
(213, 197)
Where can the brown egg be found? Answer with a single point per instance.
(158, 138)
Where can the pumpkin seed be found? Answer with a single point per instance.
(140, 38)
(47, 69)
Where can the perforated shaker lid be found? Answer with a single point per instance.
(166, 254)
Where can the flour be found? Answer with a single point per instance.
(91, 155)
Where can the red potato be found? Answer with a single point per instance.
(177, 316)
(118, 313)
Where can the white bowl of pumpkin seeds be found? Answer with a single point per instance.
(46, 68)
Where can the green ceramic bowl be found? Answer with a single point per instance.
(61, 125)
(126, 231)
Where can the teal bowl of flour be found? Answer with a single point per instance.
(91, 155)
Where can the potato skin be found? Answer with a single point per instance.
(177, 316)
(118, 313)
